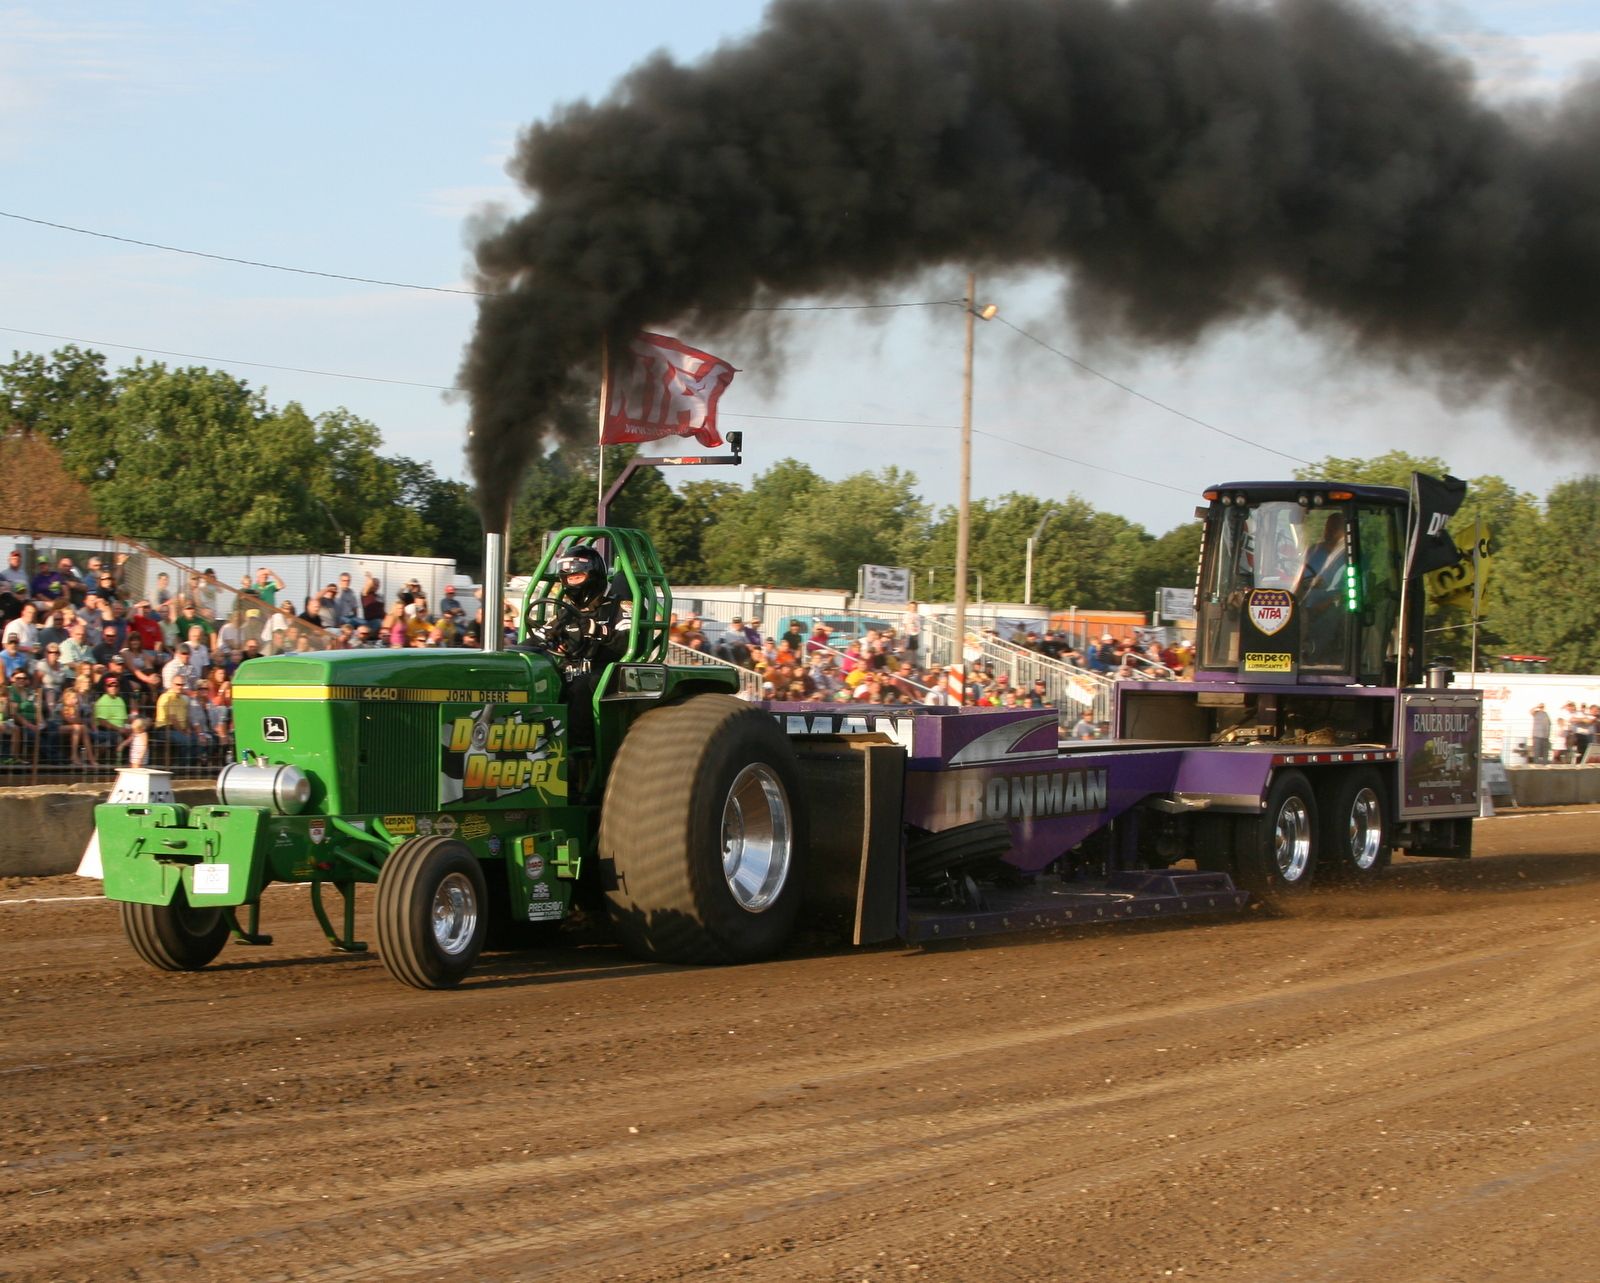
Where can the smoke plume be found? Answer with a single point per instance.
(1183, 162)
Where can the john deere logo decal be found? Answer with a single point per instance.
(1270, 609)
(275, 730)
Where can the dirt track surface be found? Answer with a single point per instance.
(1396, 1085)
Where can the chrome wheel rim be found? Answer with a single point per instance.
(455, 914)
(1291, 839)
(757, 839)
(1366, 829)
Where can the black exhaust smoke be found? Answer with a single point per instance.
(1187, 162)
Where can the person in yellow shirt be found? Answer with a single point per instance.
(417, 624)
(174, 722)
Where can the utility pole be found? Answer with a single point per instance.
(964, 497)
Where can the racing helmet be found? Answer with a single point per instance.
(582, 572)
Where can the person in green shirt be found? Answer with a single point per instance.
(24, 720)
(190, 617)
(269, 583)
(110, 715)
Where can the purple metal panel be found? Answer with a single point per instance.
(1232, 772)
(933, 737)
(1050, 803)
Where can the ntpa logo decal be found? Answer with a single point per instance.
(1270, 609)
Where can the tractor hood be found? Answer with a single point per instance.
(429, 675)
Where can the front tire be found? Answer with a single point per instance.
(433, 914)
(176, 936)
(1281, 855)
(702, 834)
(1355, 837)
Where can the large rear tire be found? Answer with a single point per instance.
(703, 834)
(1281, 857)
(1355, 835)
(175, 937)
(432, 914)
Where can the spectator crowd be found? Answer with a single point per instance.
(97, 676)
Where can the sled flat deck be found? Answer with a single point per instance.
(1055, 903)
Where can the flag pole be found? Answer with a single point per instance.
(1477, 591)
(600, 430)
(1403, 637)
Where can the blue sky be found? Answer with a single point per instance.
(358, 137)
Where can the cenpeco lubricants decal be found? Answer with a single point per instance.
(497, 750)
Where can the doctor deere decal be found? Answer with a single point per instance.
(497, 750)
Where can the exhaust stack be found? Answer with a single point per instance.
(494, 590)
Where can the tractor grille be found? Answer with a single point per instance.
(398, 763)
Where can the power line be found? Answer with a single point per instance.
(226, 360)
(1082, 463)
(246, 262)
(444, 289)
(1160, 405)
(841, 307)
(432, 289)
(439, 387)
(953, 427)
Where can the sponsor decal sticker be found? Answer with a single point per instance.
(494, 846)
(969, 795)
(497, 750)
(1256, 661)
(533, 866)
(400, 823)
(425, 825)
(539, 891)
(1270, 609)
(474, 826)
(317, 830)
(445, 826)
(544, 910)
(211, 879)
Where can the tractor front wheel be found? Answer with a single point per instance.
(176, 936)
(702, 834)
(432, 912)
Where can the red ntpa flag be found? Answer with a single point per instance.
(667, 390)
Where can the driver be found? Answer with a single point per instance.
(588, 629)
(1321, 591)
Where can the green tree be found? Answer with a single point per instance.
(1082, 557)
(66, 397)
(557, 490)
(200, 457)
(1549, 591)
(446, 509)
(794, 528)
(1391, 469)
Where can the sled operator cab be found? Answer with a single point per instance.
(1301, 582)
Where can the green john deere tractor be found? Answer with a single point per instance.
(452, 780)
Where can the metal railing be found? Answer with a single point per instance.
(749, 681)
(46, 759)
(1067, 688)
